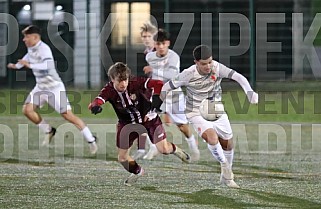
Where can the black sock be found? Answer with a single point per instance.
(131, 166)
(174, 148)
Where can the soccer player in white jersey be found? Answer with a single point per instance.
(202, 80)
(49, 88)
(147, 32)
(164, 64)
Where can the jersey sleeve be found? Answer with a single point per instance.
(26, 57)
(182, 79)
(224, 72)
(102, 97)
(173, 67)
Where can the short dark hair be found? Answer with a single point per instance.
(31, 29)
(119, 70)
(202, 52)
(161, 35)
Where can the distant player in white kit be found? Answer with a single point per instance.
(147, 31)
(203, 80)
(49, 88)
(164, 65)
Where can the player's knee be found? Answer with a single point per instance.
(69, 116)
(164, 149)
(27, 109)
(181, 127)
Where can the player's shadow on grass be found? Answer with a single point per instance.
(104, 157)
(52, 160)
(216, 199)
(205, 197)
(28, 162)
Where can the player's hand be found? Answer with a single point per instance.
(156, 103)
(148, 69)
(96, 109)
(24, 63)
(253, 97)
(12, 66)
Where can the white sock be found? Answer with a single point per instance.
(44, 126)
(229, 155)
(217, 152)
(148, 140)
(152, 146)
(191, 143)
(88, 135)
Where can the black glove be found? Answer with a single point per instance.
(156, 103)
(96, 109)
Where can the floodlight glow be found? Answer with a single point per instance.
(26, 7)
(59, 7)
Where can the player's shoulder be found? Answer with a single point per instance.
(172, 53)
(43, 45)
(108, 90)
(108, 86)
(190, 70)
(150, 55)
(133, 80)
(187, 73)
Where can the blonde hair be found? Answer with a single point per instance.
(148, 27)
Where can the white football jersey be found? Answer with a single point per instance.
(164, 68)
(42, 65)
(199, 87)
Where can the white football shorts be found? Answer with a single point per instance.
(174, 106)
(55, 97)
(222, 126)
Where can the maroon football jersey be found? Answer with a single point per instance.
(132, 105)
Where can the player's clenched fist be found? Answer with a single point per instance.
(95, 109)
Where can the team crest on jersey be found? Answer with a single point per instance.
(133, 97)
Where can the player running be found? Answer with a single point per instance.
(164, 65)
(203, 80)
(49, 88)
(133, 108)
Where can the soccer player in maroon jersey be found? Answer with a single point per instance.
(136, 116)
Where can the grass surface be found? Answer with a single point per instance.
(290, 104)
(275, 166)
(277, 158)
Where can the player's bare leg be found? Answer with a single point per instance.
(130, 165)
(70, 117)
(30, 111)
(191, 141)
(166, 119)
(166, 148)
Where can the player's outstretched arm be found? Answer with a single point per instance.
(12, 66)
(252, 96)
(95, 106)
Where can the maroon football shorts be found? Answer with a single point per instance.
(127, 133)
